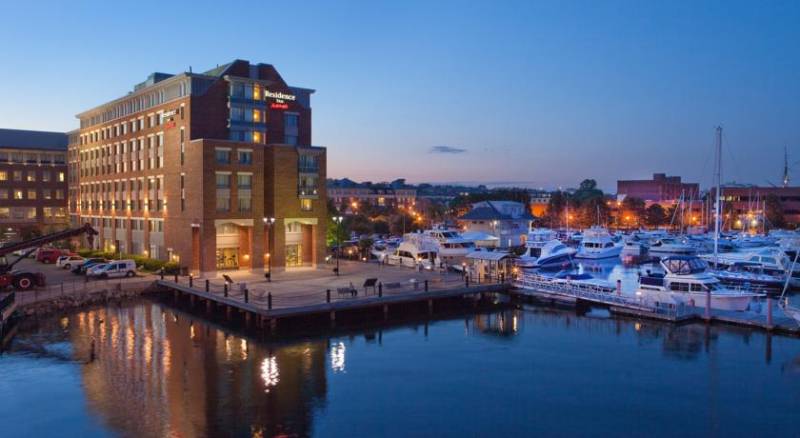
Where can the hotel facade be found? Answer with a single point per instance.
(211, 170)
(33, 182)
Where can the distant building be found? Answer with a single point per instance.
(540, 199)
(348, 195)
(508, 221)
(33, 180)
(748, 204)
(661, 188)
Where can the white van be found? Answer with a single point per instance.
(115, 268)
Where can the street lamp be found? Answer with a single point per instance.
(338, 220)
(269, 222)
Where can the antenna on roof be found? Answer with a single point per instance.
(190, 69)
(785, 166)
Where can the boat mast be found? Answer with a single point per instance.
(719, 195)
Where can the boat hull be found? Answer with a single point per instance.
(734, 302)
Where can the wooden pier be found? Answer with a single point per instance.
(265, 309)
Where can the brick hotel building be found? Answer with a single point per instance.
(33, 181)
(193, 167)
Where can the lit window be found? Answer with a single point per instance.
(256, 137)
(60, 176)
(256, 115)
(3, 175)
(31, 193)
(305, 204)
(256, 92)
(31, 176)
(18, 194)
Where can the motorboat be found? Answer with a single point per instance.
(750, 276)
(452, 247)
(417, 251)
(670, 245)
(686, 281)
(635, 246)
(597, 243)
(535, 242)
(382, 248)
(553, 255)
(583, 279)
(773, 261)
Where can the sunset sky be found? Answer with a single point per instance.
(542, 93)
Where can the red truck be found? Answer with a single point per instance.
(50, 255)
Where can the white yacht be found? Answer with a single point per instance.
(772, 260)
(452, 247)
(687, 282)
(551, 254)
(415, 250)
(537, 239)
(671, 245)
(597, 243)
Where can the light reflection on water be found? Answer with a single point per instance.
(148, 370)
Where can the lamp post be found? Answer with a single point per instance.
(269, 222)
(338, 220)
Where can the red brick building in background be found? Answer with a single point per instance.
(33, 182)
(211, 170)
(747, 204)
(661, 188)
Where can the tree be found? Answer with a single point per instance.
(555, 209)
(335, 230)
(587, 190)
(358, 224)
(655, 216)
(633, 208)
(593, 211)
(380, 226)
(774, 211)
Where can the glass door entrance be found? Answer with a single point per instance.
(293, 255)
(227, 258)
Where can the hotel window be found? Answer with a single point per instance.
(183, 191)
(237, 89)
(16, 157)
(305, 204)
(18, 194)
(3, 157)
(256, 92)
(183, 148)
(223, 156)
(257, 115)
(257, 137)
(3, 194)
(5, 213)
(245, 156)
(290, 139)
(237, 113)
(31, 176)
(59, 194)
(60, 176)
(244, 184)
(30, 213)
(3, 175)
(290, 120)
(223, 180)
(45, 176)
(17, 175)
(46, 194)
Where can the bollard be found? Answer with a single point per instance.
(161, 272)
(207, 286)
(246, 295)
(269, 300)
(619, 287)
(426, 285)
(191, 280)
(328, 296)
(176, 278)
(769, 312)
(466, 280)
(225, 289)
(380, 289)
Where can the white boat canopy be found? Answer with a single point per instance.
(492, 256)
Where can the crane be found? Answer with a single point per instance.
(22, 279)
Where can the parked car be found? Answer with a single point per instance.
(113, 269)
(68, 261)
(49, 255)
(83, 267)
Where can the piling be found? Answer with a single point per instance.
(208, 285)
(769, 313)
(328, 296)
(269, 300)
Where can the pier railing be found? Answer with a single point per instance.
(596, 293)
(81, 289)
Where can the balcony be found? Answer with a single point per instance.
(308, 168)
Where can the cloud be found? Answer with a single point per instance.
(447, 150)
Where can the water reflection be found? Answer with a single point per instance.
(148, 370)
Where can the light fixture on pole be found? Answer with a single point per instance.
(338, 220)
(269, 222)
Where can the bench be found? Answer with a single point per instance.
(347, 291)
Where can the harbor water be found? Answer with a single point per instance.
(144, 369)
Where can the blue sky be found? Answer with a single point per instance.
(542, 92)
